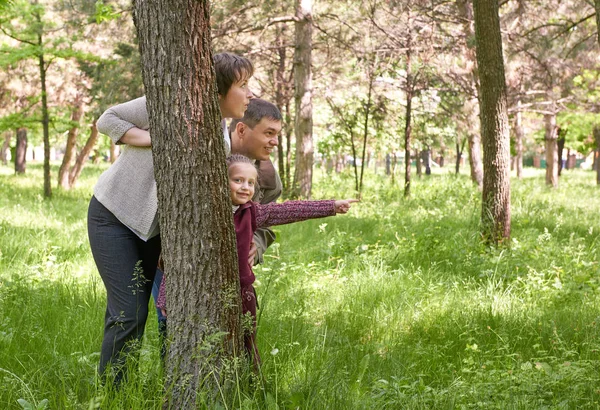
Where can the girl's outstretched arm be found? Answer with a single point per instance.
(294, 211)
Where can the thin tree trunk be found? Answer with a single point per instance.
(113, 152)
(365, 133)
(560, 145)
(519, 140)
(197, 234)
(597, 138)
(394, 164)
(495, 214)
(303, 99)
(465, 8)
(21, 151)
(419, 162)
(71, 146)
(280, 99)
(551, 150)
(597, 7)
(354, 160)
(83, 155)
(427, 160)
(288, 148)
(5, 147)
(45, 115)
(408, 119)
(459, 150)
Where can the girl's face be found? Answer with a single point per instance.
(235, 102)
(242, 180)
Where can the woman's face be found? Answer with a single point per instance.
(235, 102)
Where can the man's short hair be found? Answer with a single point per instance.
(231, 68)
(256, 111)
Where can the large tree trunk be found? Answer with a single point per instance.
(71, 147)
(519, 141)
(551, 150)
(495, 214)
(303, 98)
(83, 155)
(5, 148)
(199, 251)
(21, 151)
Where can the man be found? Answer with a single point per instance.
(255, 136)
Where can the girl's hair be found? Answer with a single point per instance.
(238, 159)
(231, 68)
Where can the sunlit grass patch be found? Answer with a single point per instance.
(397, 304)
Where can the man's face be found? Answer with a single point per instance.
(258, 143)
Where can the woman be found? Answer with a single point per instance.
(122, 217)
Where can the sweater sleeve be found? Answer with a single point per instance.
(292, 211)
(119, 119)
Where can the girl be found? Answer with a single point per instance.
(247, 217)
(122, 216)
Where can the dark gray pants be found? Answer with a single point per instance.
(127, 265)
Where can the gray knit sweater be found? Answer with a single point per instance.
(127, 188)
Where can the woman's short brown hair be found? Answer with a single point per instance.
(231, 68)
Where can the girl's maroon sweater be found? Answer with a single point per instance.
(251, 216)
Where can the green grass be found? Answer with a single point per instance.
(396, 305)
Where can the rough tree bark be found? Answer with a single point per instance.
(495, 214)
(303, 100)
(71, 147)
(197, 232)
(83, 155)
(21, 151)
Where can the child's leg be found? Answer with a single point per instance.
(249, 310)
